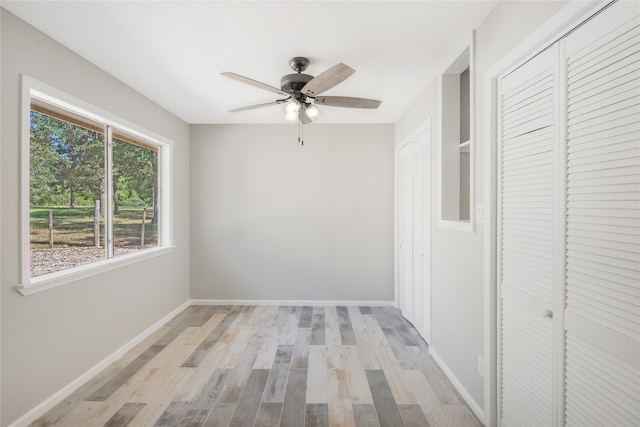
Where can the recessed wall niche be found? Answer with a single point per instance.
(456, 143)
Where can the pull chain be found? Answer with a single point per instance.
(300, 133)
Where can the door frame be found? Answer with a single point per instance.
(564, 21)
(405, 307)
(420, 130)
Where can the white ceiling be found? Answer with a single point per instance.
(174, 51)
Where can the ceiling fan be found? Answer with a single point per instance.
(301, 92)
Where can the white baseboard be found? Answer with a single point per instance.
(65, 391)
(458, 385)
(291, 302)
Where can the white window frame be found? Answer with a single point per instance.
(33, 88)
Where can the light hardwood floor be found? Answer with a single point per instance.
(267, 366)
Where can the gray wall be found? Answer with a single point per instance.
(271, 220)
(457, 257)
(51, 338)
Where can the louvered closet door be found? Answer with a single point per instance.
(406, 232)
(426, 235)
(418, 191)
(528, 230)
(415, 226)
(602, 317)
(421, 220)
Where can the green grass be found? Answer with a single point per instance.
(74, 227)
(42, 213)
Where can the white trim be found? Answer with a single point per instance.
(59, 278)
(293, 302)
(455, 52)
(65, 391)
(57, 97)
(33, 88)
(548, 33)
(553, 29)
(25, 222)
(560, 267)
(0, 253)
(108, 193)
(396, 228)
(458, 385)
(417, 133)
(472, 134)
(456, 225)
(490, 255)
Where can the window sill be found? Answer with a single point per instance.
(465, 225)
(59, 278)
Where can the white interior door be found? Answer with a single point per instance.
(527, 241)
(406, 232)
(424, 235)
(569, 229)
(602, 320)
(414, 211)
(417, 147)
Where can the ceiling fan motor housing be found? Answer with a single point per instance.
(293, 83)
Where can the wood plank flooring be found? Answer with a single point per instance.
(269, 366)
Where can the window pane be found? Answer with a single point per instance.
(135, 194)
(65, 188)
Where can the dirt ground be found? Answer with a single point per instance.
(45, 260)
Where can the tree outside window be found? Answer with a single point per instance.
(67, 190)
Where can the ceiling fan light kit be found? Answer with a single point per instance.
(302, 90)
(312, 111)
(291, 109)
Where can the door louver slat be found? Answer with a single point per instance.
(596, 393)
(524, 392)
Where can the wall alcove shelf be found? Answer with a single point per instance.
(456, 143)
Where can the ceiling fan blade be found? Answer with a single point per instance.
(302, 115)
(327, 79)
(348, 102)
(252, 107)
(255, 83)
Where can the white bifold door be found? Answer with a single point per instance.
(414, 215)
(569, 229)
(529, 239)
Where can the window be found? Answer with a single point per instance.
(66, 175)
(95, 189)
(135, 194)
(456, 141)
